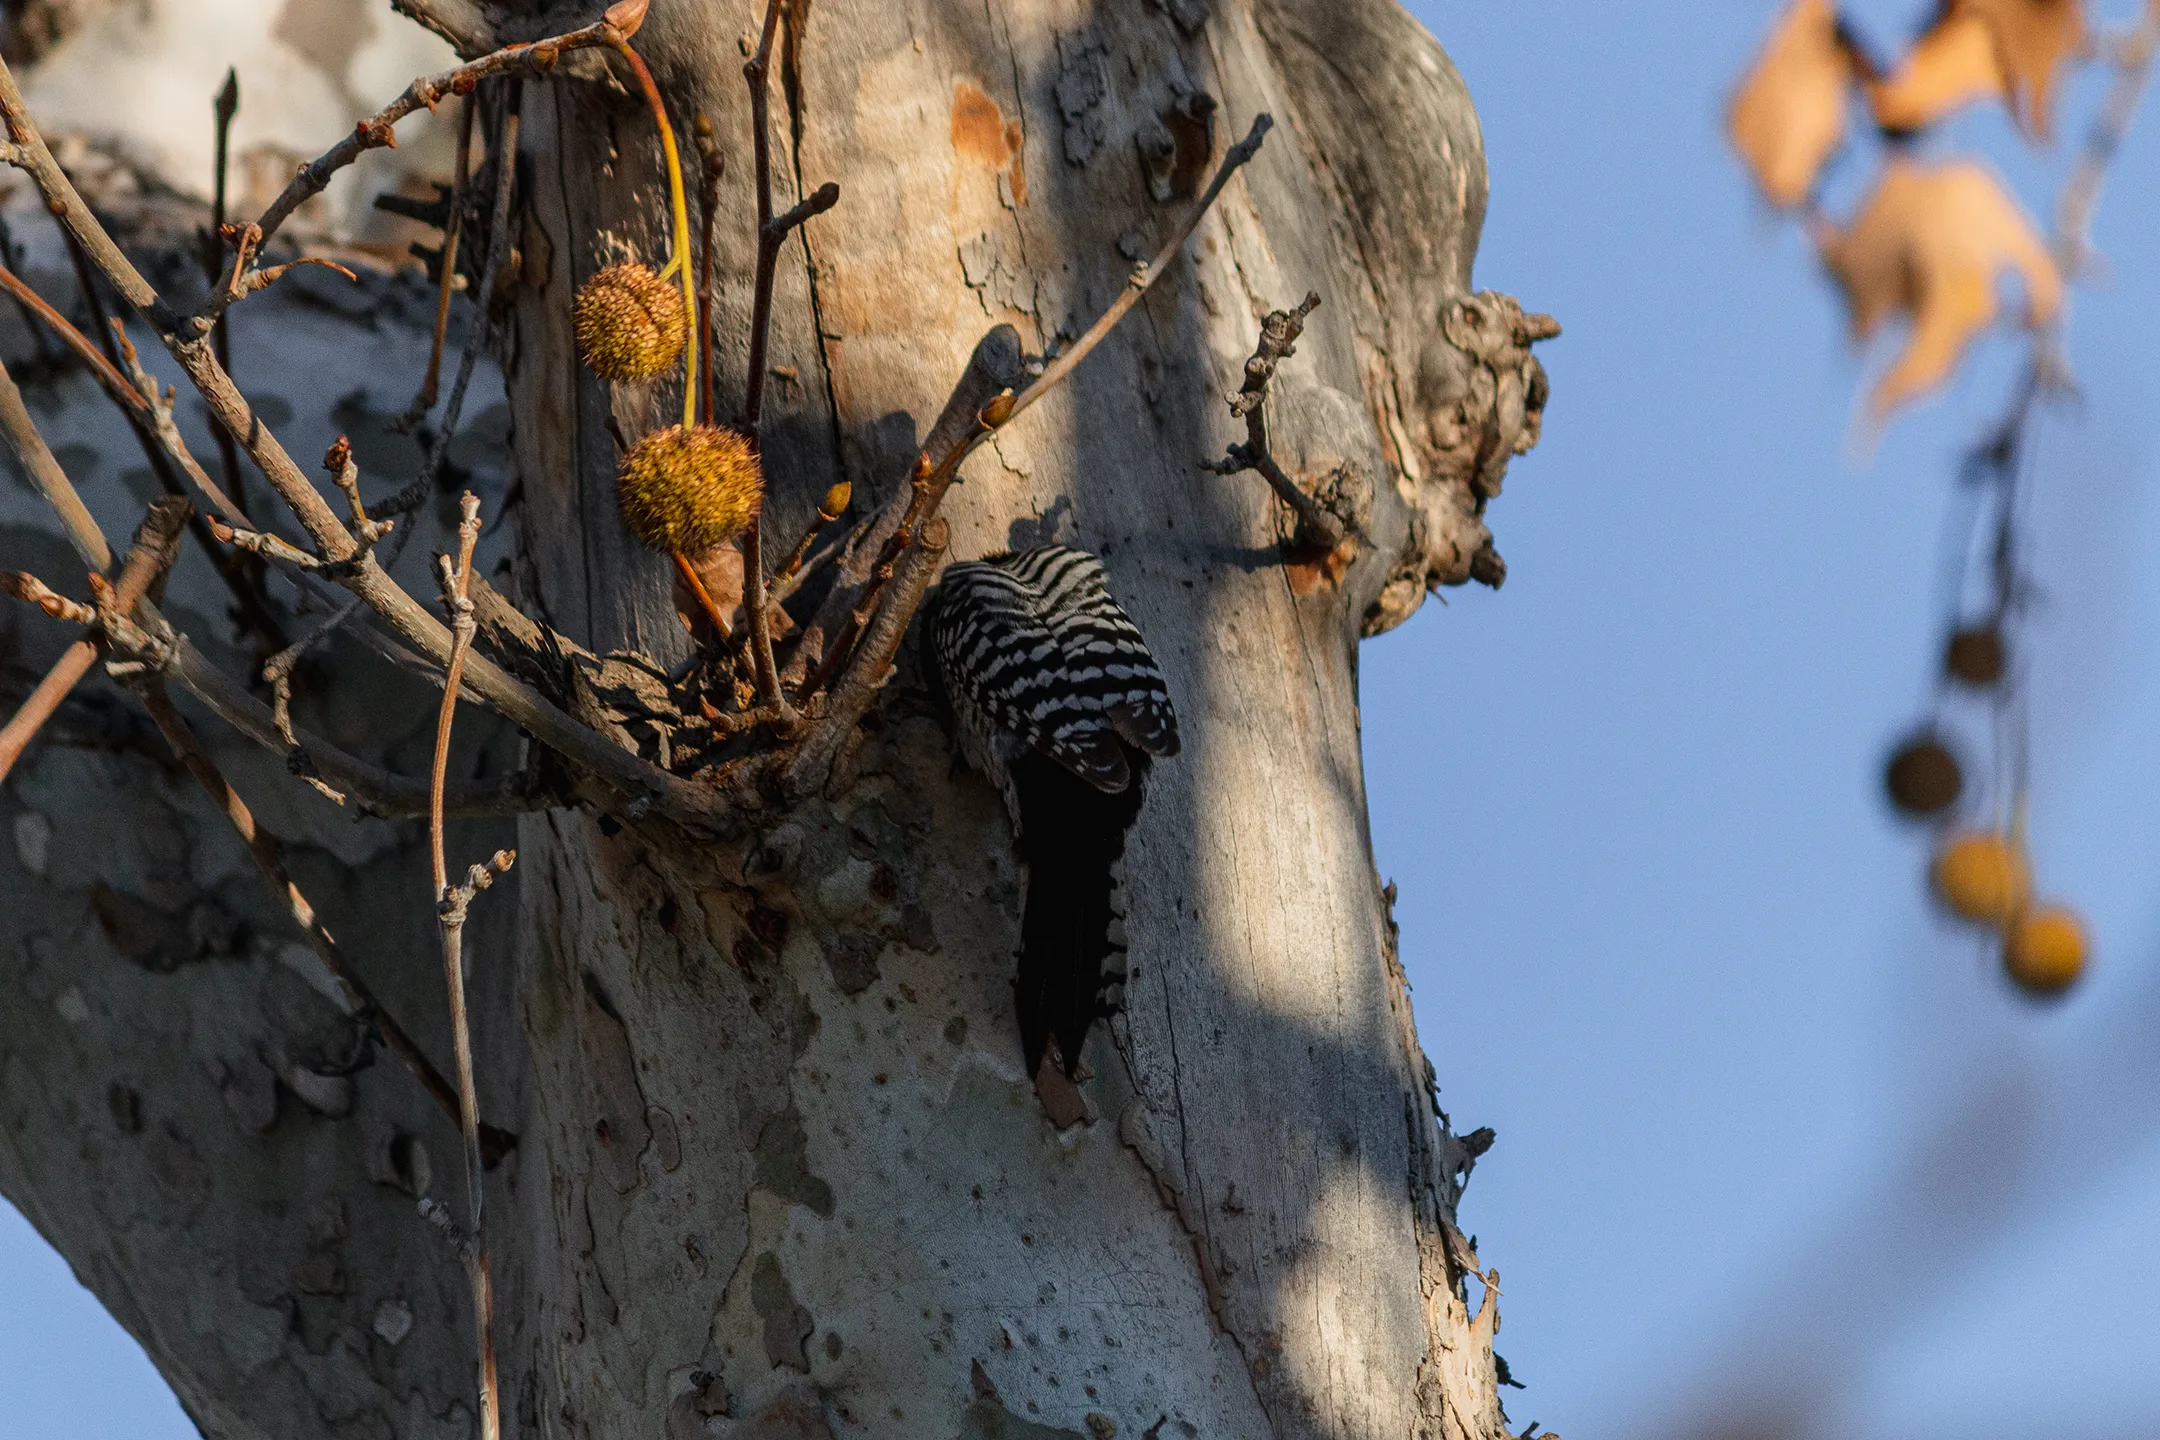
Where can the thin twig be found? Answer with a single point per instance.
(460, 22)
(831, 508)
(453, 231)
(58, 683)
(714, 615)
(156, 408)
(772, 233)
(37, 307)
(156, 544)
(757, 70)
(226, 106)
(505, 153)
(452, 905)
(10, 257)
(2081, 193)
(21, 434)
(379, 131)
(715, 165)
(456, 594)
(379, 791)
(162, 455)
(17, 585)
(373, 789)
(136, 392)
(813, 764)
(1056, 372)
(359, 1002)
(622, 777)
(1279, 334)
(933, 477)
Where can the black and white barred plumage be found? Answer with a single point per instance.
(1060, 705)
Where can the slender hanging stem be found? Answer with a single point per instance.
(453, 232)
(679, 256)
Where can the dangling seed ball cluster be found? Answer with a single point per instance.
(630, 323)
(685, 490)
(1983, 877)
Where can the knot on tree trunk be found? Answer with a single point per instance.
(1477, 401)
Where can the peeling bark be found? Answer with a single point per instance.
(781, 1173)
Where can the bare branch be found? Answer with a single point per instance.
(962, 432)
(813, 764)
(457, 586)
(161, 444)
(22, 436)
(453, 233)
(452, 905)
(30, 590)
(269, 547)
(461, 22)
(758, 72)
(379, 131)
(621, 775)
(1059, 369)
(358, 1000)
(1279, 334)
(994, 362)
(22, 727)
(2081, 192)
(498, 255)
(715, 165)
(772, 233)
(345, 474)
(374, 789)
(378, 789)
(156, 544)
(85, 349)
(831, 508)
(223, 108)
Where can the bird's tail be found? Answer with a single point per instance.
(1071, 836)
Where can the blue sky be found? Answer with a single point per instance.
(1774, 1140)
(1763, 1118)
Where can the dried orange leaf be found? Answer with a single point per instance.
(1931, 242)
(1789, 113)
(2033, 41)
(1955, 62)
(627, 15)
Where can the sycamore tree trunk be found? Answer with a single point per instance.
(781, 1172)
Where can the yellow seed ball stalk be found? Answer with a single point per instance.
(688, 489)
(631, 324)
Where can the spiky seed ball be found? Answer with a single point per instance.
(686, 491)
(1923, 777)
(1982, 877)
(630, 323)
(2044, 950)
(1976, 657)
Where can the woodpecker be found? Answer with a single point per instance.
(1059, 704)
